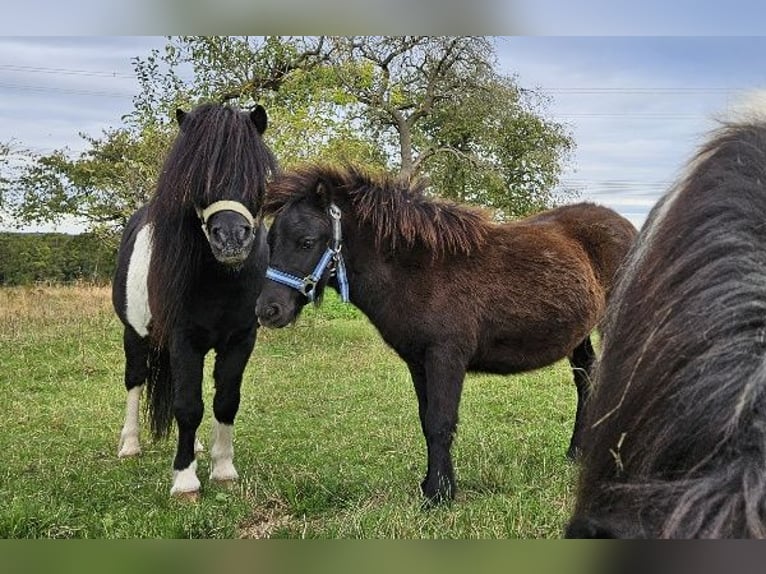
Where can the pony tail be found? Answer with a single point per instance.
(159, 392)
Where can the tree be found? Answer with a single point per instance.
(13, 158)
(476, 135)
(290, 76)
(422, 106)
(104, 185)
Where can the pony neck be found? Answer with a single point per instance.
(367, 269)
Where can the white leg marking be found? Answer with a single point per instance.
(222, 453)
(198, 446)
(185, 481)
(137, 296)
(129, 445)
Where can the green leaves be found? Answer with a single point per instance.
(104, 185)
(426, 106)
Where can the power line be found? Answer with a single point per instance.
(64, 71)
(631, 115)
(73, 91)
(680, 90)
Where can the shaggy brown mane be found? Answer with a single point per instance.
(400, 213)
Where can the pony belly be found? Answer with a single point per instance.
(137, 309)
(512, 357)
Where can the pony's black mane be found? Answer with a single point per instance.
(676, 445)
(218, 154)
(399, 212)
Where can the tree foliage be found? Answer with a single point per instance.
(27, 258)
(423, 106)
(104, 185)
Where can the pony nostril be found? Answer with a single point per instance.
(216, 232)
(243, 232)
(273, 311)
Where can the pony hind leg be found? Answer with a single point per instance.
(136, 370)
(581, 361)
(229, 367)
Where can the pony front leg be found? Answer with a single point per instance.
(186, 364)
(222, 453)
(229, 365)
(444, 383)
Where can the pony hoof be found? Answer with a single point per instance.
(436, 496)
(191, 496)
(129, 452)
(129, 448)
(224, 472)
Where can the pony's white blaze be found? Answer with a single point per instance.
(222, 453)
(137, 294)
(185, 480)
(129, 445)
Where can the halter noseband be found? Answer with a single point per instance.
(224, 205)
(332, 254)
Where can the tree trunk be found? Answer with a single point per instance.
(407, 169)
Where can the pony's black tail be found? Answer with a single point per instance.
(159, 392)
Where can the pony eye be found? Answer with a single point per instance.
(306, 243)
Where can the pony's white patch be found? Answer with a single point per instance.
(137, 293)
(185, 480)
(222, 453)
(129, 445)
(198, 446)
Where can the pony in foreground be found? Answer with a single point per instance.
(676, 426)
(449, 290)
(189, 270)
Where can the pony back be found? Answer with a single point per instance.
(675, 434)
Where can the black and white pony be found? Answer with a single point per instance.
(676, 426)
(190, 267)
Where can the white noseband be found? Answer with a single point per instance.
(224, 205)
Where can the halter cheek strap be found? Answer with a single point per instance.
(224, 205)
(332, 255)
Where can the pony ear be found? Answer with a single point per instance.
(325, 193)
(259, 118)
(180, 116)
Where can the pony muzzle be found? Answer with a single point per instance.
(231, 235)
(224, 205)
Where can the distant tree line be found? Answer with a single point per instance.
(29, 258)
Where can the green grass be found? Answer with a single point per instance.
(327, 441)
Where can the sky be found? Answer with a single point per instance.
(637, 106)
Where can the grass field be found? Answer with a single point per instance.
(327, 441)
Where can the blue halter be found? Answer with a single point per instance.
(332, 254)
